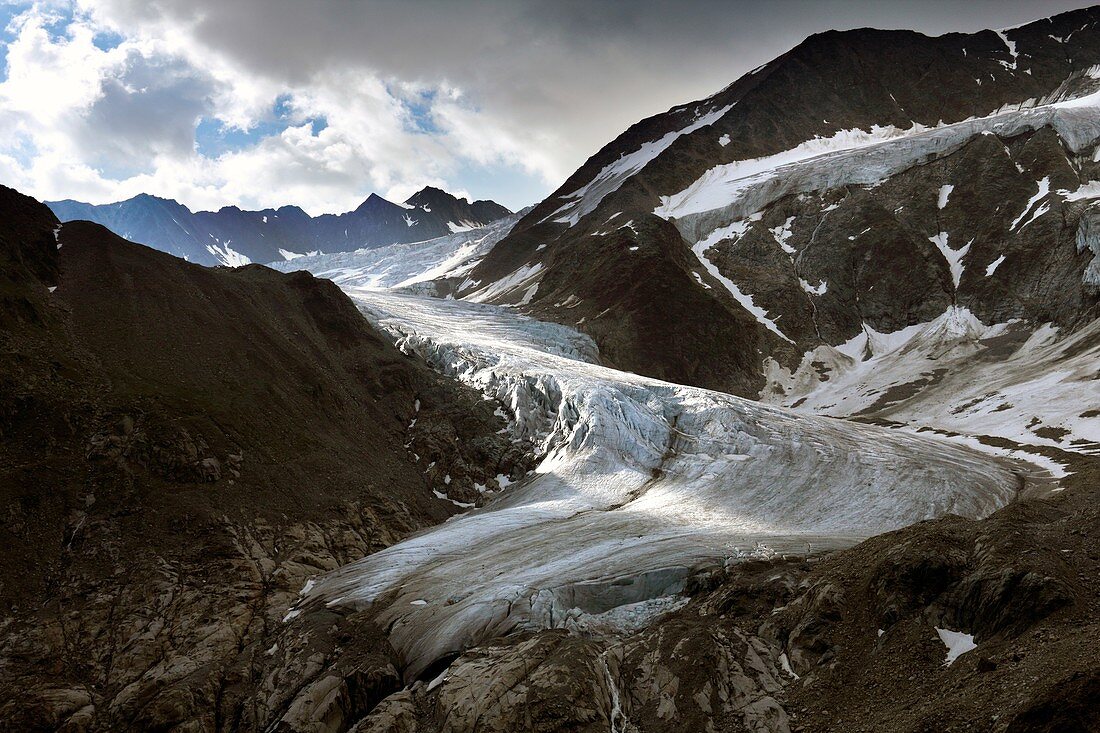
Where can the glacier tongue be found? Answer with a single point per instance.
(641, 481)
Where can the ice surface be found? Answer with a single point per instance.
(403, 265)
(722, 183)
(732, 191)
(640, 481)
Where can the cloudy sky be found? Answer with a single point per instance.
(268, 102)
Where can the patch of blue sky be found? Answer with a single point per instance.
(418, 105)
(21, 147)
(56, 23)
(106, 40)
(8, 12)
(213, 137)
(506, 184)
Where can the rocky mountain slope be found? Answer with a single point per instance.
(234, 237)
(182, 448)
(864, 181)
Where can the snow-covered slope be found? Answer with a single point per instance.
(1031, 386)
(641, 481)
(405, 265)
(734, 191)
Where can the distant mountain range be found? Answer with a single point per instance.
(231, 236)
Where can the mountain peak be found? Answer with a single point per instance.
(374, 203)
(430, 194)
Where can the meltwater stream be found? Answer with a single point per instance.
(641, 482)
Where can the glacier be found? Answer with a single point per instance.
(732, 192)
(405, 265)
(640, 483)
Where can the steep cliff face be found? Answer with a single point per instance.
(864, 178)
(182, 449)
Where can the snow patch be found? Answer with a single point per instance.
(1044, 189)
(507, 284)
(1088, 190)
(992, 267)
(226, 255)
(954, 257)
(957, 644)
(1011, 52)
(945, 192)
(744, 299)
(785, 663)
(782, 233)
(818, 289)
(287, 255)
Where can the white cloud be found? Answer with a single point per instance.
(102, 125)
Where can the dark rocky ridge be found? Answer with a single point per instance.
(649, 313)
(198, 236)
(181, 449)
